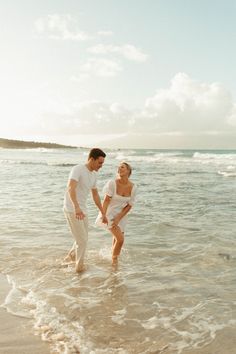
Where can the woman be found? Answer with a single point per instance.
(118, 200)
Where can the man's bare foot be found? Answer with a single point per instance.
(79, 268)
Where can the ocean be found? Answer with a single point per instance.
(174, 289)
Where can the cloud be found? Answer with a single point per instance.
(186, 107)
(182, 114)
(232, 116)
(127, 51)
(189, 105)
(104, 67)
(100, 67)
(61, 27)
(92, 117)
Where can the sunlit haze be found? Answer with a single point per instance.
(141, 74)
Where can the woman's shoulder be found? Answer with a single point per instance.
(109, 187)
(134, 187)
(132, 184)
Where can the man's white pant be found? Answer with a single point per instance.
(79, 230)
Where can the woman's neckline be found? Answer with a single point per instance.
(120, 195)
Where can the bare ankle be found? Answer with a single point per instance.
(114, 259)
(79, 268)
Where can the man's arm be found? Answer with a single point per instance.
(98, 203)
(105, 203)
(72, 193)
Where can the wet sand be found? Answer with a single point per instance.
(223, 343)
(16, 333)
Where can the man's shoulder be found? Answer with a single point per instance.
(76, 171)
(79, 167)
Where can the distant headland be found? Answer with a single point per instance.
(21, 144)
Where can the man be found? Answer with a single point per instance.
(82, 180)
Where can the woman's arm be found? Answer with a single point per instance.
(119, 216)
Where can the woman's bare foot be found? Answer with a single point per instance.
(69, 258)
(114, 260)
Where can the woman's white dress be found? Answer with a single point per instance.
(117, 203)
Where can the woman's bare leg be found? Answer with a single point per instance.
(117, 243)
(113, 242)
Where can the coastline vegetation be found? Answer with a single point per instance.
(21, 144)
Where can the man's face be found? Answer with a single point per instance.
(97, 164)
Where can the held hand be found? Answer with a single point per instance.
(104, 219)
(79, 214)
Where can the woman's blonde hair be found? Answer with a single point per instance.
(128, 167)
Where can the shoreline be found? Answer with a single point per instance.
(16, 333)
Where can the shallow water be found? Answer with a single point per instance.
(174, 289)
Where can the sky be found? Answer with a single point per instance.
(119, 73)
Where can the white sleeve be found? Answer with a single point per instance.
(109, 188)
(75, 173)
(133, 195)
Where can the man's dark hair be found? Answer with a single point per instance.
(96, 153)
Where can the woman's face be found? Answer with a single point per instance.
(123, 170)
